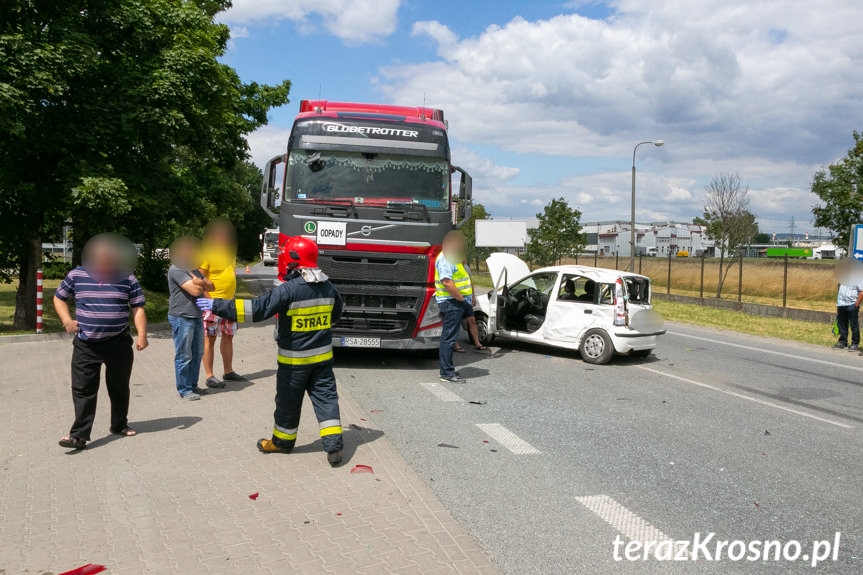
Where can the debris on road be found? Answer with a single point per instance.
(362, 469)
(254, 496)
(88, 569)
(494, 450)
(767, 432)
(361, 419)
(478, 402)
(756, 504)
(485, 440)
(377, 411)
(447, 445)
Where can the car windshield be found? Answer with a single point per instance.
(542, 282)
(368, 178)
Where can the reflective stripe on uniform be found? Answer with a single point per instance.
(460, 278)
(305, 356)
(330, 423)
(312, 302)
(335, 430)
(244, 309)
(284, 433)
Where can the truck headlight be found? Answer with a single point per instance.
(431, 316)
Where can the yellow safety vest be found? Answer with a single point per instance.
(460, 278)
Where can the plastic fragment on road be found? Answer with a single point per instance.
(767, 432)
(485, 440)
(362, 469)
(494, 450)
(361, 419)
(338, 514)
(447, 445)
(377, 411)
(88, 569)
(254, 496)
(756, 504)
(689, 349)
(548, 357)
(478, 402)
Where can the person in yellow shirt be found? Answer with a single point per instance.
(219, 261)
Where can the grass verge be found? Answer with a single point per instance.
(788, 329)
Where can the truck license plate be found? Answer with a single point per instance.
(361, 342)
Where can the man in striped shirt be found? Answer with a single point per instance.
(103, 291)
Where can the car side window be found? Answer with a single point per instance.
(606, 294)
(575, 288)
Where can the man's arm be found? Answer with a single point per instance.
(139, 317)
(449, 286)
(197, 286)
(250, 310)
(62, 309)
(859, 298)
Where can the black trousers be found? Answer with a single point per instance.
(87, 359)
(292, 383)
(845, 315)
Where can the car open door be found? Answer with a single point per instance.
(498, 298)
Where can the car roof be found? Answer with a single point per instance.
(600, 274)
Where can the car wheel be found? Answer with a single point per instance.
(485, 337)
(640, 353)
(596, 347)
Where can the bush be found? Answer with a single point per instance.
(152, 272)
(55, 269)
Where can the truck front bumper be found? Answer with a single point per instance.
(415, 343)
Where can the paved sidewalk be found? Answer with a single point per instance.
(175, 499)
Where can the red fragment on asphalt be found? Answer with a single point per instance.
(88, 569)
(361, 419)
(254, 496)
(362, 469)
(338, 514)
(485, 440)
(756, 505)
(377, 411)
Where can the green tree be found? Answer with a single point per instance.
(840, 189)
(117, 105)
(729, 222)
(761, 238)
(558, 234)
(474, 254)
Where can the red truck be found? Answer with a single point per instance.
(373, 186)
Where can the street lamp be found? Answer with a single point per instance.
(656, 143)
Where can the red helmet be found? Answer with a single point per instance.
(301, 253)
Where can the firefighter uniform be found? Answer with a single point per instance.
(307, 304)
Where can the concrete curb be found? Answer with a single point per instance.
(37, 337)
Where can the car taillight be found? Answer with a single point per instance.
(620, 315)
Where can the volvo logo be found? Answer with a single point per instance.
(366, 230)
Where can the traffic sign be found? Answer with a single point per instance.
(855, 243)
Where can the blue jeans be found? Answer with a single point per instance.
(452, 312)
(188, 334)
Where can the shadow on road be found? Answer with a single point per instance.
(353, 436)
(148, 426)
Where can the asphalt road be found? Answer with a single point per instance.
(748, 438)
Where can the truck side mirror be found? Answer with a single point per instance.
(465, 196)
(270, 193)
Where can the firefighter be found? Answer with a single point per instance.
(307, 304)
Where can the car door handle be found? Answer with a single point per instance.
(588, 311)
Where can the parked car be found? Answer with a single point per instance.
(598, 312)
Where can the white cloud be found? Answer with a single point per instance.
(769, 88)
(351, 20)
(266, 142)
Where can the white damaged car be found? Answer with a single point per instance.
(598, 312)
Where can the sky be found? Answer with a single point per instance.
(547, 99)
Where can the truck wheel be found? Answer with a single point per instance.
(640, 353)
(482, 330)
(596, 347)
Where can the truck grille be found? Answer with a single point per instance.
(377, 325)
(376, 267)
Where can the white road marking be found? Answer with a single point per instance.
(507, 438)
(441, 392)
(768, 351)
(747, 397)
(625, 521)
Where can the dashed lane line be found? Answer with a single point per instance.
(441, 392)
(622, 519)
(746, 397)
(507, 438)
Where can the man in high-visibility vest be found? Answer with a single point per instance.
(307, 304)
(452, 291)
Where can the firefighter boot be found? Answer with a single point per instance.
(334, 457)
(267, 446)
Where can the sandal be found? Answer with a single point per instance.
(126, 432)
(73, 443)
(481, 347)
(458, 348)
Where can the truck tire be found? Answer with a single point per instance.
(482, 330)
(596, 347)
(640, 353)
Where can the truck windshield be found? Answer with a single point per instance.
(368, 178)
(271, 238)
